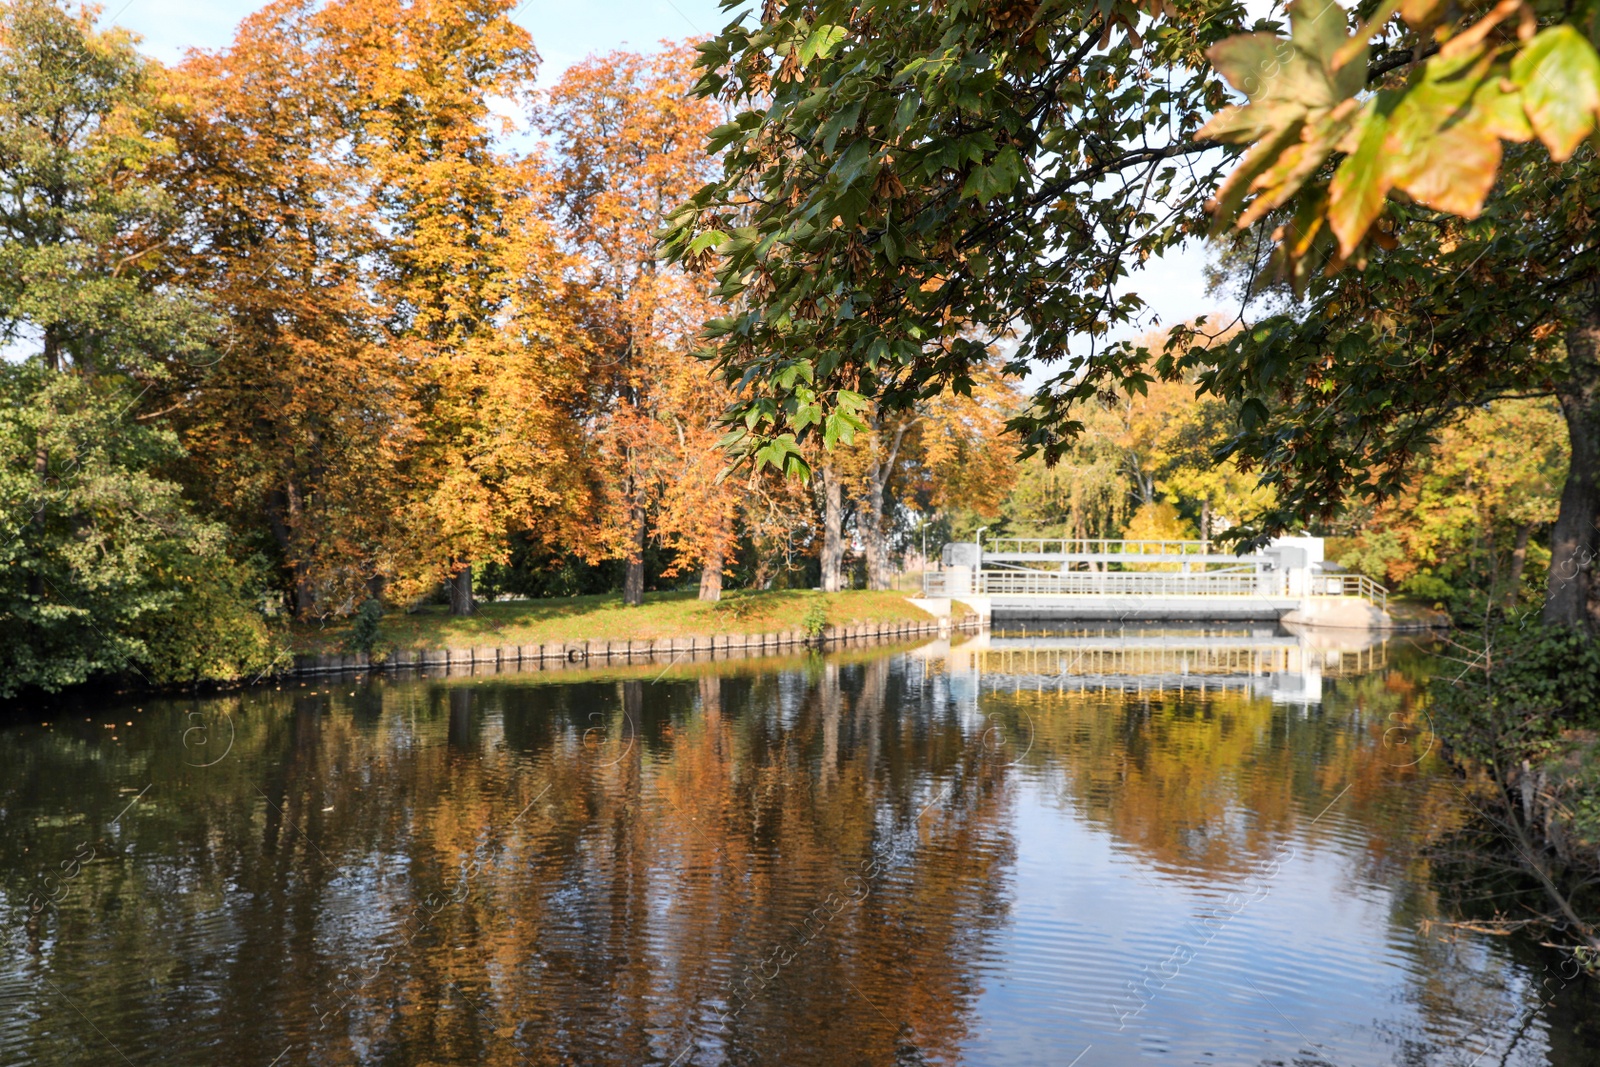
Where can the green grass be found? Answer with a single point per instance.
(605, 618)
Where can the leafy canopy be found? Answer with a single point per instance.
(907, 183)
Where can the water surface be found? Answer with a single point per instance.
(1201, 846)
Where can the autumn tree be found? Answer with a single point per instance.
(952, 451)
(948, 451)
(928, 178)
(906, 184)
(1462, 530)
(1084, 494)
(1346, 390)
(700, 510)
(628, 142)
(1145, 453)
(298, 425)
(1171, 439)
(472, 315)
(107, 565)
(396, 392)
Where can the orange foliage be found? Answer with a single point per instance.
(394, 389)
(628, 143)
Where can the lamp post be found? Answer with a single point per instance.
(977, 573)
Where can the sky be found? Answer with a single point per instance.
(565, 31)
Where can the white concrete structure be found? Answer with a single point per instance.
(1155, 580)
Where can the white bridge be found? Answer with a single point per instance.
(1288, 580)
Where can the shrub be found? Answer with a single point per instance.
(105, 567)
(212, 631)
(1520, 689)
(736, 607)
(365, 626)
(815, 620)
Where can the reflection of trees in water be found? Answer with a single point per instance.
(680, 832)
(1208, 784)
(1203, 787)
(635, 847)
(801, 791)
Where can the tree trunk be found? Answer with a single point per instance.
(41, 467)
(832, 531)
(1574, 542)
(711, 706)
(872, 532)
(305, 589)
(460, 584)
(878, 576)
(633, 581)
(711, 577)
(1519, 556)
(1205, 519)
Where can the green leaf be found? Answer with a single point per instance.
(906, 111)
(823, 40)
(1500, 103)
(842, 120)
(722, 137)
(1560, 78)
(1242, 125)
(852, 163)
(998, 178)
(1265, 67)
(709, 239)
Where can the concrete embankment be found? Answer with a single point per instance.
(1350, 613)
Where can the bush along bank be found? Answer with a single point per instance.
(1520, 717)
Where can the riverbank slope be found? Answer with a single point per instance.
(606, 618)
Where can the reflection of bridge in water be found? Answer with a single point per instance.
(1261, 661)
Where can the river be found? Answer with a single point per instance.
(1079, 848)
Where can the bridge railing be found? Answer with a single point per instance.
(1094, 546)
(1125, 583)
(1107, 583)
(1141, 583)
(1355, 585)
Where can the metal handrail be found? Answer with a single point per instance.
(1357, 585)
(1110, 583)
(1139, 583)
(1097, 546)
(1128, 583)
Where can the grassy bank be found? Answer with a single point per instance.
(605, 618)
